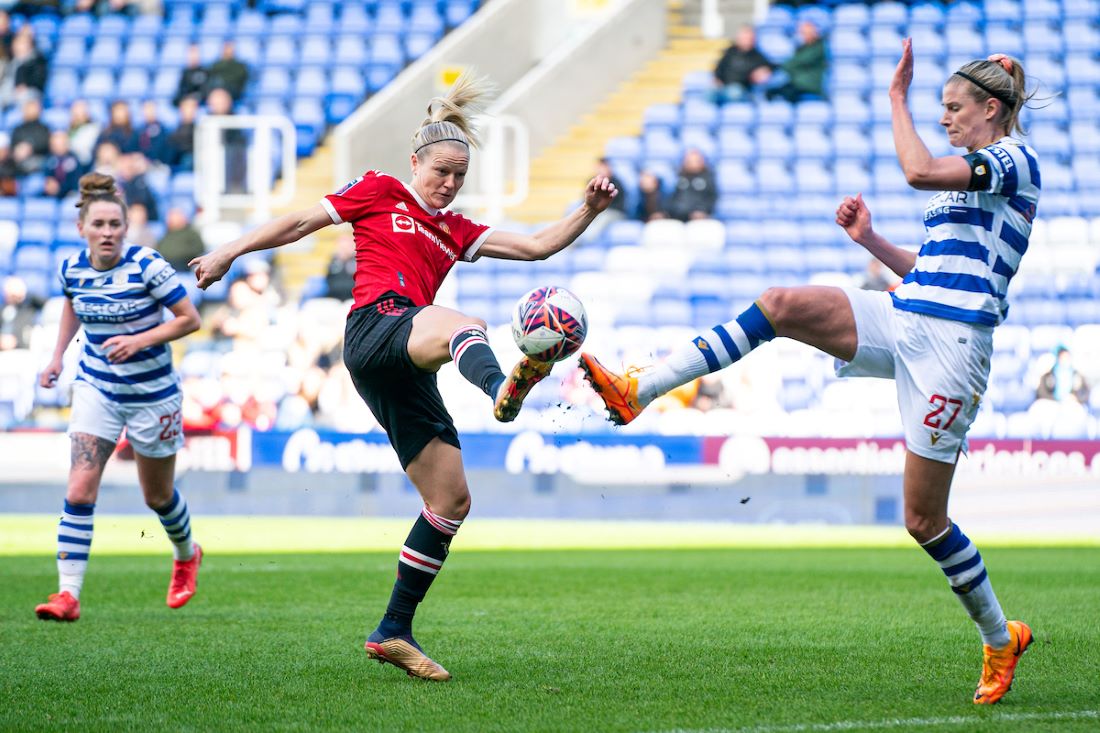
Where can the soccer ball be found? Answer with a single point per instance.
(549, 324)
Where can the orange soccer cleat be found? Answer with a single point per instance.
(403, 652)
(618, 392)
(185, 576)
(525, 375)
(59, 607)
(999, 665)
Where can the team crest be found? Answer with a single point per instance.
(446, 229)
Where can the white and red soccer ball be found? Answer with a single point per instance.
(549, 324)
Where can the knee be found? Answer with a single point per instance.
(475, 321)
(923, 527)
(460, 506)
(776, 304)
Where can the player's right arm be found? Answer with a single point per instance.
(855, 218)
(66, 330)
(212, 266)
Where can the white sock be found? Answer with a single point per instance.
(74, 542)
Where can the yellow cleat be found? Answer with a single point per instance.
(525, 375)
(618, 392)
(407, 655)
(999, 665)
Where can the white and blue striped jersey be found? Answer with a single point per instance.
(126, 299)
(974, 241)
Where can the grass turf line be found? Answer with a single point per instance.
(35, 534)
(650, 640)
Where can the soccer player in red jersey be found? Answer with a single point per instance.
(396, 339)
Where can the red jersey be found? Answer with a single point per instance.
(401, 243)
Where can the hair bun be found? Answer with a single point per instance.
(1003, 60)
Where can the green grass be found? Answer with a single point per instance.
(761, 640)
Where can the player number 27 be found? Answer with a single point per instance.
(172, 425)
(940, 403)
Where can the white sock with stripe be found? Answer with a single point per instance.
(707, 353)
(176, 520)
(74, 542)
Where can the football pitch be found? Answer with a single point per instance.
(769, 630)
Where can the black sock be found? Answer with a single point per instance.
(475, 359)
(421, 558)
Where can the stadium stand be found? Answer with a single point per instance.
(642, 282)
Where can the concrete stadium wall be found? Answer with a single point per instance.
(507, 40)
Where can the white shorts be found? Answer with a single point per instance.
(941, 368)
(155, 430)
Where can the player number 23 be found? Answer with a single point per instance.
(939, 404)
(172, 425)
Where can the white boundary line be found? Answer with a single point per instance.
(889, 723)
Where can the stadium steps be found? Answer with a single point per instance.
(295, 265)
(558, 174)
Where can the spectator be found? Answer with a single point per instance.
(877, 277)
(804, 72)
(696, 192)
(234, 141)
(132, 168)
(248, 310)
(1063, 382)
(25, 74)
(107, 159)
(651, 198)
(153, 138)
(182, 242)
(120, 129)
(63, 170)
(137, 227)
(6, 37)
(17, 315)
(193, 79)
(9, 171)
(83, 132)
(181, 141)
(30, 140)
(741, 68)
(106, 7)
(228, 73)
(340, 279)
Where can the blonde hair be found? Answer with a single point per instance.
(98, 187)
(999, 77)
(450, 117)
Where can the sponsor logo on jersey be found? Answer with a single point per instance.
(402, 223)
(349, 184)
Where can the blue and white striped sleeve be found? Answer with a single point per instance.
(161, 281)
(1010, 168)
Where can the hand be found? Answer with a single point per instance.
(210, 267)
(121, 348)
(49, 375)
(855, 218)
(903, 75)
(599, 192)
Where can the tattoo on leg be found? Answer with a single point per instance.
(90, 452)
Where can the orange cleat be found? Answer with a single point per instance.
(999, 665)
(525, 375)
(59, 607)
(185, 576)
(406, 654)
(618, 392)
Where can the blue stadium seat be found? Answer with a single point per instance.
(1043, 38)
(316, 50)
(1042, 10)
(32, 256)
(426, 20)
(627, 148)
(889, 14)
(774, 177)
(735, 177)
(354, 19)
(697, 85)
(774, 143)
(386, 50)
(10, 208)
(740, 115)
(700, 139)
(701, 113)
(40, 284)
(963, 13)
(289, 24)
(280, 52)
(662, 116)
(1080, 70)
(106, 53)
(811, 142)
(775, 113)
(389, 18)
(274, 82)
(659, 144)
(70, 52)
(851, 176)
(40, 209)
(851, 16)
(926, 15)
(851, 109)
(173, 52)
(736, 142)
(776, 45)
(99, 84)
(848, 44)
(418, 44)
(251, 23)
(77, 25)
(455, 12)
(133, 83)
(965, 41)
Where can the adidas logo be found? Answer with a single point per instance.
(401, 205)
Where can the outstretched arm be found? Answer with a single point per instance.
(854, 216)
(210, 267)
(922, 171)
(538, 246)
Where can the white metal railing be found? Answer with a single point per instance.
(212, 189)
(502, 168)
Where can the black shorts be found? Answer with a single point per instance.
(404, 399)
